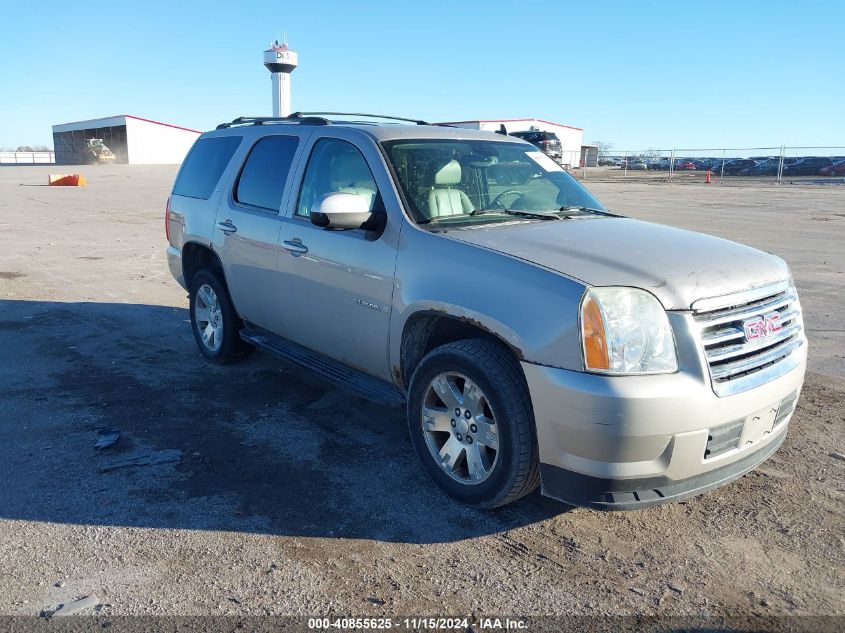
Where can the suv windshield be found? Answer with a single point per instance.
(469, 181)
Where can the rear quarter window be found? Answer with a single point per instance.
(204, 165)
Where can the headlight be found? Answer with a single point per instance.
(626, 331)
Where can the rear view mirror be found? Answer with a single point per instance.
(341, 211)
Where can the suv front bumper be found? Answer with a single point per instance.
(626, 442)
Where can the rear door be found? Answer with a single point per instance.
(248, 224)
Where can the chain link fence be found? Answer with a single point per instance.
(774, 164)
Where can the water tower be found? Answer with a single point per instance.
(281, 62)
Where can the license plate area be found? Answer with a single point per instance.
(758, 426)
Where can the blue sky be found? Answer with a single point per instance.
(637, 74)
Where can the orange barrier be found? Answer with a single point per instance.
(67, 180)
(707, 179)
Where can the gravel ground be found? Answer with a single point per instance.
(257, 489)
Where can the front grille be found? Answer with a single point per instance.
(737, 364)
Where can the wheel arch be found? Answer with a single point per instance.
(429, 328)
(196, 257)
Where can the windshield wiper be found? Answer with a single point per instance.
(590, 210)
(526, 214)
(541, 215)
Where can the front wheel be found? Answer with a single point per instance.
(472, 424)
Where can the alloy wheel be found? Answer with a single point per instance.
(209, 318)
(460, 428)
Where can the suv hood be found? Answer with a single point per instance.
(677, 266)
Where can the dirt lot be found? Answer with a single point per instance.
(257, 489)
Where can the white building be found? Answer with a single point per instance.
(570, 137)
(133, 140)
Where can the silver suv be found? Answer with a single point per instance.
(533, 336)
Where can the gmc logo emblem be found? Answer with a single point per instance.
(761, 326)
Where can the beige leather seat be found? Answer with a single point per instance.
(351, 175)
(443, 199)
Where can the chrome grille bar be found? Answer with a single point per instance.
(729, 369)
(740, 349)
(743, 312)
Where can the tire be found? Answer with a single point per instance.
(212, 310)
(499, 476)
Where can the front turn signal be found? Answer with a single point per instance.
(593, 335)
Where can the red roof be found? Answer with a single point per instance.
(130, 116)
(178, 127)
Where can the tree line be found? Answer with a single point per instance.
(27, 148)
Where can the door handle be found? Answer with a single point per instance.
(295, 246)
(227, 227)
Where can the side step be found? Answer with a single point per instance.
(366, 386)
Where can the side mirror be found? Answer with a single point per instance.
(341, 211)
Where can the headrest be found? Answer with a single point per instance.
(350, 167)
(449, 174)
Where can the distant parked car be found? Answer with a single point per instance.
(836, 169)
(810, 166)
(736, 166)
(685, 164)
(709, 163)
(765, 167)
(635, 163)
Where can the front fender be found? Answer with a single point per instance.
(531, 309)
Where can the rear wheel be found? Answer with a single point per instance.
(472, 425)
(215, 323)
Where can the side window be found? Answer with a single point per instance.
(335, 166)
(262, 180)
(204, 165)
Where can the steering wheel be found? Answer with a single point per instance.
(497, 201)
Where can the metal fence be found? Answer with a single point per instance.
(774, 164)
(27, 158)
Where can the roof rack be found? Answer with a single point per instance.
(261, 120)
(299, 115)
(310, 118)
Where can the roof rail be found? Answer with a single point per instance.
(261, 120)
(299, 115)
(310, 118)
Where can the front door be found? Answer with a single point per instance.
(336, 287)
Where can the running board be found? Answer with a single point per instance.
(366, 386)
